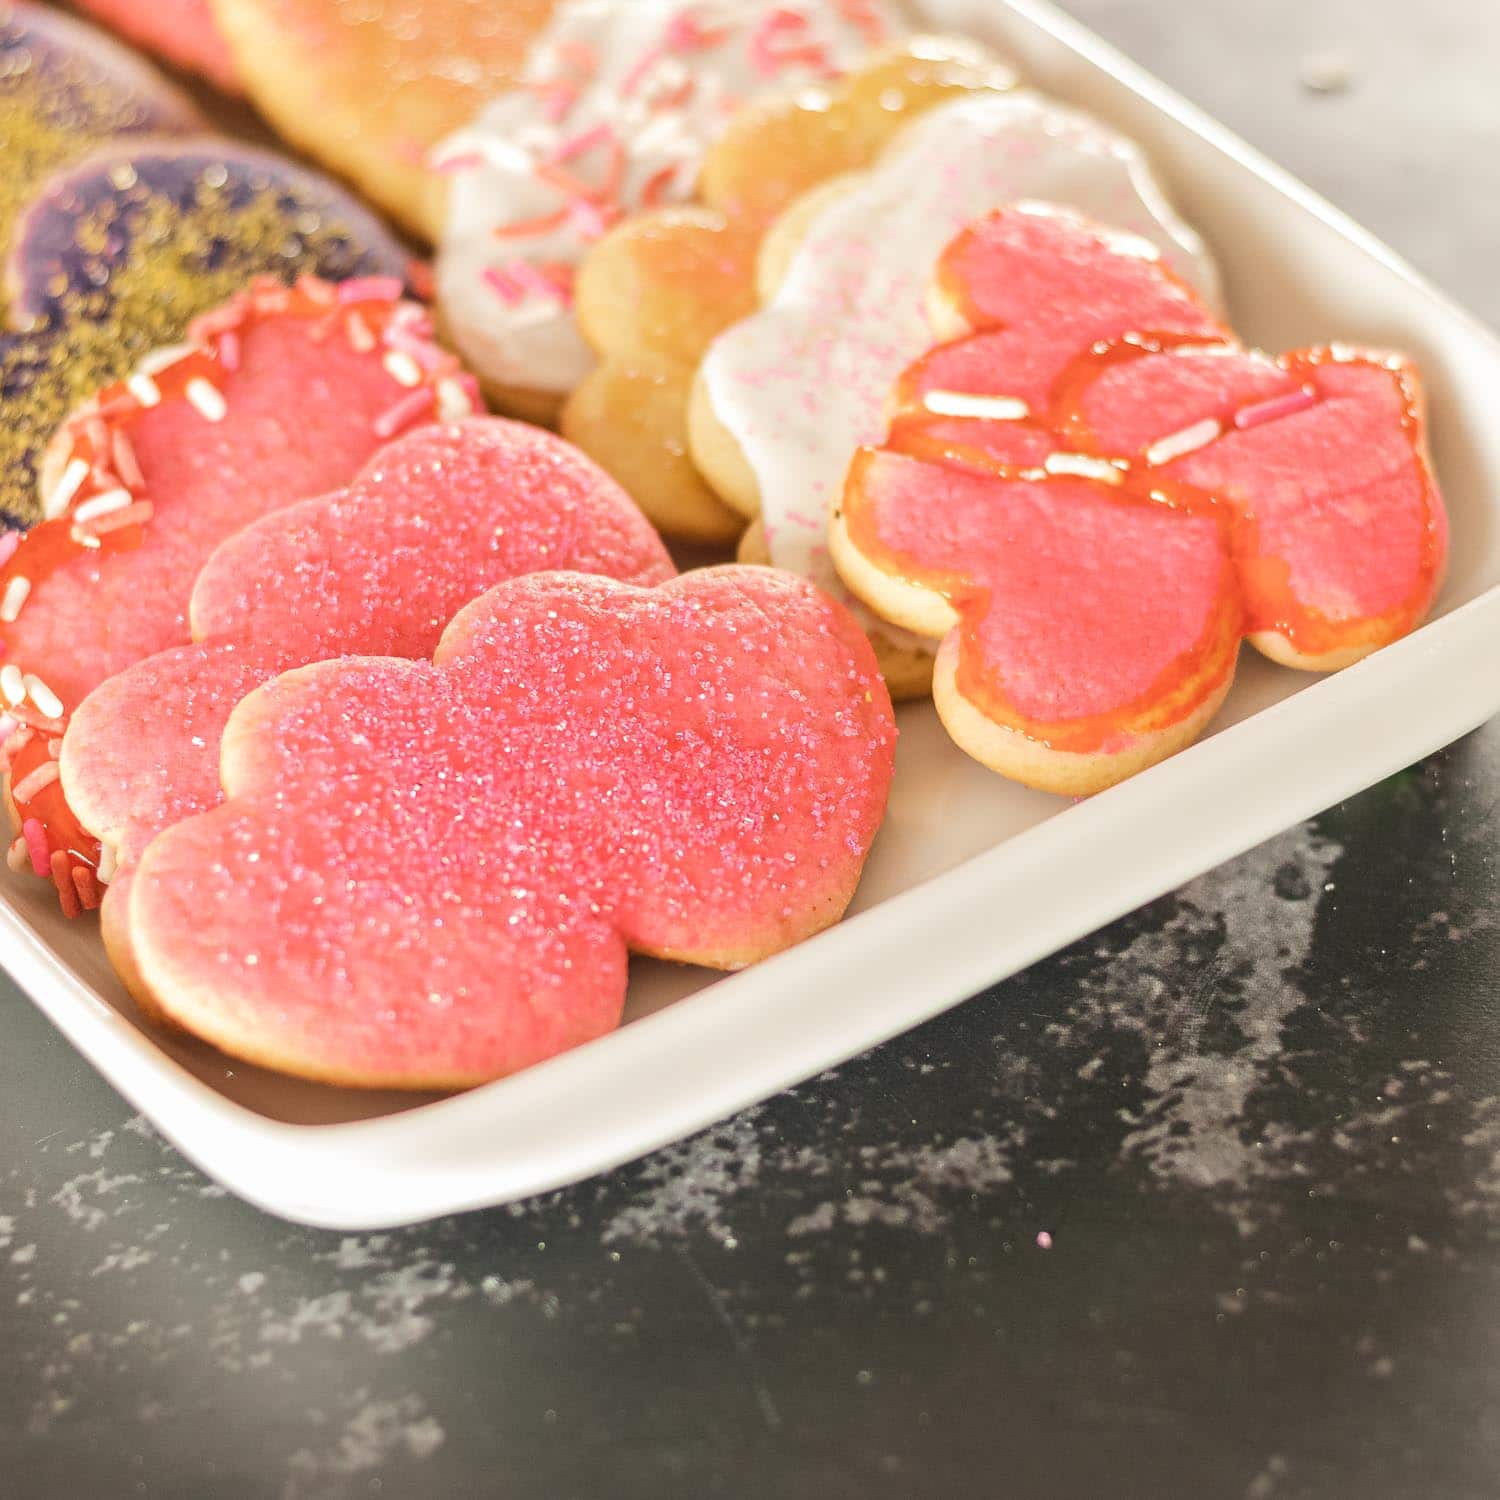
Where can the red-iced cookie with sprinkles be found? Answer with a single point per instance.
(282, 393)
(379, 568)
(119, 251)
(1095, 494)
(431, 873)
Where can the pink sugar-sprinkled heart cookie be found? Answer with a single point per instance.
(280, 394)
(1097, 492)
(183, 31)
(377, 569)
(429, 874)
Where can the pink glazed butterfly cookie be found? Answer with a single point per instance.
(1097, 492)
(430, 874)
(283, 393)
(379, 568)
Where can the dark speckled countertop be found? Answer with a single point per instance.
(1208, 1205)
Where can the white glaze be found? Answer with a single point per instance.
(638, 57)
(804, 382)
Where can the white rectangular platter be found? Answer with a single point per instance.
(972, 878)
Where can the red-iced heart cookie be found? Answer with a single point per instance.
(376, 569)
(1095, 494)
(283, 393)
(430, 874)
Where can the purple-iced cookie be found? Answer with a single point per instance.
(65, 89)
(128, 245)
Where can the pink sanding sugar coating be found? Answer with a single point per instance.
(182, 31)
(376, 569)
(431, 873)
(1087, 601)
(432, 521)
(299, 420)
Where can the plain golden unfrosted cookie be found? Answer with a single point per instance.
(658, 288)
(369, 89)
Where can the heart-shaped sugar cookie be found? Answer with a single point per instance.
(378, 569)
(430, 874)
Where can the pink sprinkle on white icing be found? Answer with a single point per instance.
(460, 161)
(639, 69)
(534, 280)
(503, 285)
(580, 144)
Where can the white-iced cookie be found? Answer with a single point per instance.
(785, 397)
(615, 106)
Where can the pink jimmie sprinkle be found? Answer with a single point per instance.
(534, 280)
(229, 352)
(1277, 406)
(460, 161)
(370, 289)
(591, 220)
(1044, 1240)
(641, 67)
(410, 408)
(9, 541)
(36, 846)
(686, 33)
(503, 285)
(581, 143)
(557, 99)
(771, 48)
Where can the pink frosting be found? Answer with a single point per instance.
(181, 30)
(433, 872)
(1224, 489)
(1078, 602)
(376, 569)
